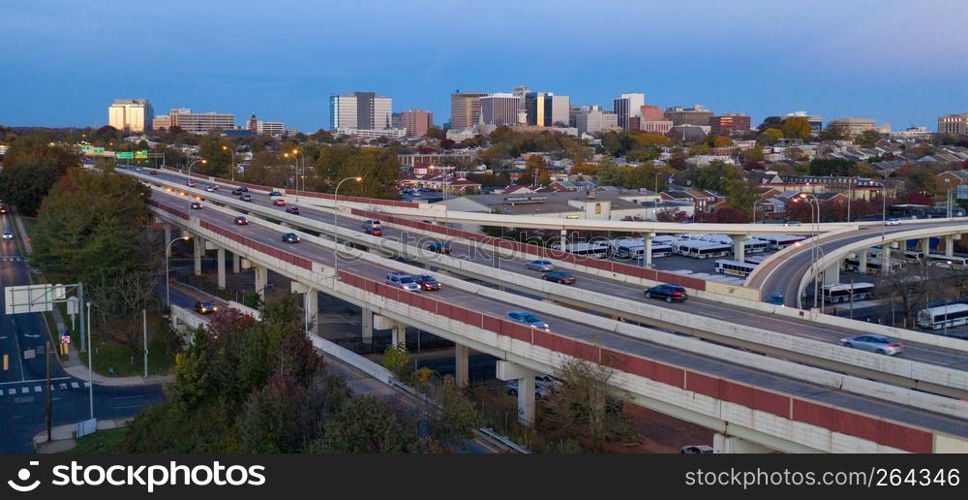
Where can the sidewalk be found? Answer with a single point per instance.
(62, 436)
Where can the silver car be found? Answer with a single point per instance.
(874, 343)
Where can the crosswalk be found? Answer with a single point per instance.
(11, 259)
(37, 387)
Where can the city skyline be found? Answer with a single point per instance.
(776, 59)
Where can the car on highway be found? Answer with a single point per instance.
(880, 344)
(527, 319)
(671, 293)
(290, 238)
(292, 210)
(190, 183)
(153, 172)
(274, 193)
(777, 299)
(211, 188)
(7, 235)
(243, 189)
(279, 202)
(696, 449)
(541, 265)
(403, 281)
(196, 205)
(372, 227)
(205, 307)
(892, 222)
(245, 197)
(439, 247)
(236, 192)
(241, 221)
(543, 385)
(559, 276)
(427, 282)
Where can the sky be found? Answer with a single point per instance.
(895, 61)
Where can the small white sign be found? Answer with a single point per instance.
(72, 303)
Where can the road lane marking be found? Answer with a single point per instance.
(33, 381)
(38, 388)
(74, 385)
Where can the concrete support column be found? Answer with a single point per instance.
(398, 335)
(236, 263)
(367, 326)
(732, 444)
(167, 239)
(862, 261)
(221, 268)
(564, 239)
(507, 370)
(647, 249)
(831, 275)
(926, 246)
(739, 247)
(261, 280)
(460, 365)
(199, 253)
(311, 306)
(885, 259)
(949, 245)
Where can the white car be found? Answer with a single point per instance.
(7, 235)
(892, 222)
(403, 281)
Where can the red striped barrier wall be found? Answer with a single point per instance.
(259, 246)
(781, 405)
(542, 252)
(177, 213)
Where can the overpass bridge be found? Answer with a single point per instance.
(678, 376)
(932, 363)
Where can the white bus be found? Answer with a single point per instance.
(873, 265)
(779, 241)
(755, 259)
(598, 250)
(634, 248)
(734, 268)
(953, 262)
(949, 316)
(701, 249)
(833, 294)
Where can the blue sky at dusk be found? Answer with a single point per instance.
(900, 62)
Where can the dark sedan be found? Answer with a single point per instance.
(671, 293)
(563, 277)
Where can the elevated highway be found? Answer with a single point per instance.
(817, 344)
(675, 375)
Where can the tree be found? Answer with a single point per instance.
(31, 166)
(267, 169)
(456, 418)
(364, 425)
(217, 152)
(769, 137)
(834, 166)
(580, 408)
(379, 169)
(906, 288)
(867, 138)
(796, 127)
(536, 166)
(753, 155)
(718, 141)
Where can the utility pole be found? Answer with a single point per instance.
(144, 323)
(49, 408)
(851, 298)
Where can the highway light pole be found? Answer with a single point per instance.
(815, 227)
(336, 225)
(192, 164)
(226, 148)
(167, 278)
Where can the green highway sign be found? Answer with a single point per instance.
(122, 155)
(141, 154)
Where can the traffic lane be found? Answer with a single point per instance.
(638, 347)
(805, 329)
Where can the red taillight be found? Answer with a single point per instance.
(893, 345)
(676, 293)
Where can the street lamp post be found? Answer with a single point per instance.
(167, 276)
(815, 227)
(192, 164)
(336, 225)
(226, 148)
(755, 203)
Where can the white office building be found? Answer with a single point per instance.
(629, 105)
(360, 110)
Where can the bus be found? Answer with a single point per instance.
(755, 259)
(634, 248)
(833, 294)
(698, 249)
(953, 262)
(756, 245)
(599, 250)
(779, 241)
(734, 268)
(873, 265)
(949, 316)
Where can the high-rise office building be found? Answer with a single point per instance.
(545, 109)
(417, 122)
(499, 109)
(953, 124)
(728, 124)
(850, 127)
(360, 110)
(465, 109)
(696, 115)
(201, 123)
(593, 120)
(134, 115)
(628, 105)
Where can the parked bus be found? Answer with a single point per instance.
(734, 268)
(698, 249)
(949, 316)
(833, 294)
(953, 262)
(779, 241)
(873, 265)
(598, 250)
(634, 248)
(755, 259)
